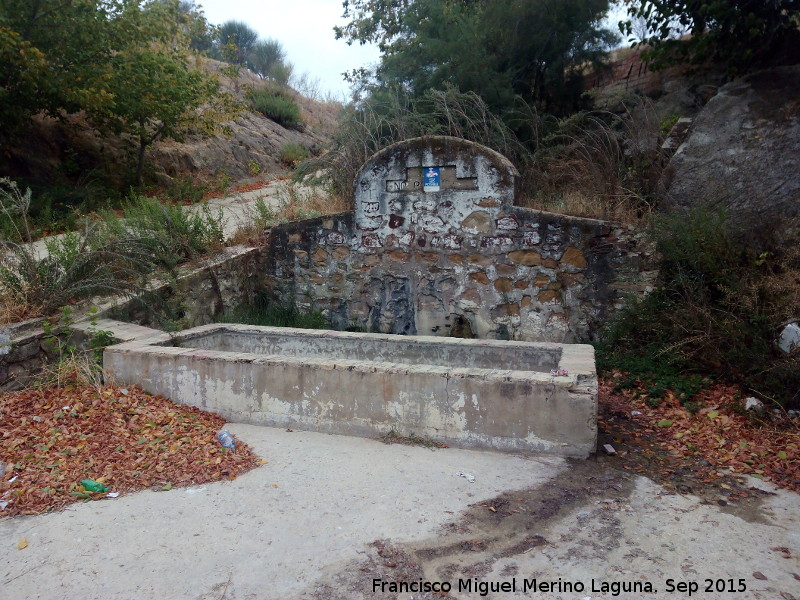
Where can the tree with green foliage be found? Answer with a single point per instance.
(201, 33)
(500, 49)
(54, 56)
(266, 57)
(22, 67)
(235, 41)
(124, 63)
(372, 22)
(282, 72)
(158, 95)
(740, 34)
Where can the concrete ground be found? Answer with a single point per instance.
(327, 515)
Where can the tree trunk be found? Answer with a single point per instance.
(137, 177)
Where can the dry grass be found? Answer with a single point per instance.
(72, 369)
(600, 165)
(19, 306)
(579, 204)
(296, 202)
(303, 202)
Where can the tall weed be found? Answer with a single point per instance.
(76, 265)
(595, 164)
(599, 164)
(174, 233)
(292, 154)
(73, 266)
(392, 117)
(299, 202)
(266, 311)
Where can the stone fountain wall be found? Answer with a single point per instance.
(436, 246)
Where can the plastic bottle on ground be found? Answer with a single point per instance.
(226, 440)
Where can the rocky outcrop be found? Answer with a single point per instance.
(743, 153)
(253, 146)
(254, 142)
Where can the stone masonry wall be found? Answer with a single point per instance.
(199, 295)
(461, 260)
(456, 259)
(196, 297)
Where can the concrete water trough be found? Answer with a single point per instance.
(468, 393)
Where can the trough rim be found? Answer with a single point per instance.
(577, 359)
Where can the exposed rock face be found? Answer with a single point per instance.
(743, 153)
(254, 139)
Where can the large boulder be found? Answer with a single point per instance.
(743, 153)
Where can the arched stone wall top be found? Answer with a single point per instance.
(431, 185)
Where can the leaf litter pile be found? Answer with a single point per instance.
(52, 439)
(709, 446)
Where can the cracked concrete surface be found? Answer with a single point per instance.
(327, 515)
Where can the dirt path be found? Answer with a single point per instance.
(591, 532)
(329, 515)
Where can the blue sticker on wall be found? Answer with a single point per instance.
(430, 179)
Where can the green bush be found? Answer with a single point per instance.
(74, 266)
(174, 233)
(276, 103)
(721, 301)
(292, 154)
(186, 189)
(53, 209)
(740, 34)
(264, 215)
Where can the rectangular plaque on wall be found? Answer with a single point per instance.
(431, 179)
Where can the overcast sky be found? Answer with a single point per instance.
(305, 28)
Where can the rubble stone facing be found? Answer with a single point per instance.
(417, 262)
(531, 276)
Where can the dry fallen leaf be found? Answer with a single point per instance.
(23, 543)
(128, 441)
(717, 436)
